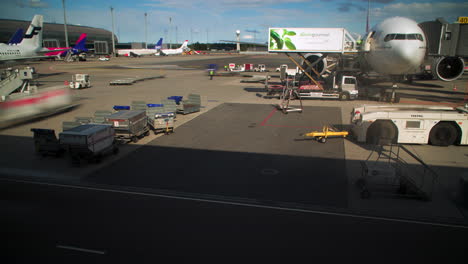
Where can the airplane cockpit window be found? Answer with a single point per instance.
(403, 37)
(389, 37)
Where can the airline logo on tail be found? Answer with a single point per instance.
(33, 36)
(158, 45)
(77, 49)
(184, 45)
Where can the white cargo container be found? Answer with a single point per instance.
(323, 40)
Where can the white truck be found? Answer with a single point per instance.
(80, 81)
(412, 124)
(260, 68)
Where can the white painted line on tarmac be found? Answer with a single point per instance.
(245, 204)
(100, 252)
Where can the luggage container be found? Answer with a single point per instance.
(162, 123)
(191, 105)
(89, 142)
(129, 125)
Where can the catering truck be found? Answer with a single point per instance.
(413, 124)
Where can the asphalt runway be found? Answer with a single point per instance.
(241, 151)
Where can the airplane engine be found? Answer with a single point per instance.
(448, 68)
(320, 66)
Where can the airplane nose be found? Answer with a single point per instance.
(409, 57)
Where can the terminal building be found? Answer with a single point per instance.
(100, 40)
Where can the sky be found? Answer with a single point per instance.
(214, 20)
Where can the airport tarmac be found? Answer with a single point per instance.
(268, 163)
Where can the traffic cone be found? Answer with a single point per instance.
(454, 87)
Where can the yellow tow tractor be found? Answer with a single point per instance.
(327, 131)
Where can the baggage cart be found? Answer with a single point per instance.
(191, 105)
(159, 120)
(129, 125)
(89, 142)
(162, 123)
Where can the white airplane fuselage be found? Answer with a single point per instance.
(139, 52)
(175, 51)
(15, 51)
(29, 48)
(397, 46)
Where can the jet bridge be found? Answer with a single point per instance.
(446, 48)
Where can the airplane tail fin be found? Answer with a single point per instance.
(33, 36)
(184, 45)
(158, 45)
(17, 37)
(81, 43)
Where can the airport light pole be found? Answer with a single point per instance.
(146, 32)
(65, 24)
(113, 40)
(170, 24)
(238, 40)
(368, 14)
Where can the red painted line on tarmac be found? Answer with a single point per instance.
(268, 117)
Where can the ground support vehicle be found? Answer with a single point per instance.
(190, 105)
(46, 142)
(80, 81)
(393, 170)
(260, 68)
(129, 125)
(89, 142)
(413, 124)
(327, 132)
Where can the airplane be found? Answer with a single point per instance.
(177, 51)
(30, 47)
(75, 50)
(397, 47)
(17, 37)
(141, 52)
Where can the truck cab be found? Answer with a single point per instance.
(346, 84)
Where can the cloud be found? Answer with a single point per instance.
(423, 11)
(221, 4)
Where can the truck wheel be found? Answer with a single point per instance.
(322, 140)
(134, 139)
(381, 132)
(443, 134)
(344, 96)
